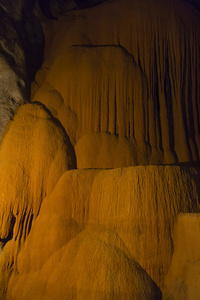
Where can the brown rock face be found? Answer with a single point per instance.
(94, 265)
(62, 216)
(104, 94)
(132, 71)
(33, 155)
(141, 204)
(136, 207)
(12, 71)
(119, 88)
(182, 280)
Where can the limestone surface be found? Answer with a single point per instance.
(62, 216)
(182, 280)
(33, 155)
(118, 97)
(136, 207)
(141, 204)
(130, 68)
(12, 70)
(94, 265)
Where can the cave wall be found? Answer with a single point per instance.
(94, 63)
(118, 89)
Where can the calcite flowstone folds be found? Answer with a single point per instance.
(117, 97)
(182, 280)
(88, 205)
(33, 155)
(128, 69)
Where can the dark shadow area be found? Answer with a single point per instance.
(188, 164)
(10, 234)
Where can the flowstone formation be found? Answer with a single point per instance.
(182, 280)
(132, 210)
(131, 70)
(99, 174)
(33, 155)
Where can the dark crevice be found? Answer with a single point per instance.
(10, 234)
(156, 99)
(183, 97)
(30, 223)
(168, 97)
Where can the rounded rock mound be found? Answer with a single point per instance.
(34, 153)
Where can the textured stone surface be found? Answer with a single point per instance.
(139, 205)
(128, 69)
(122, 80)
(97, 265)
(94, 265)
(182, 280)
(62, 216)
(33, 155)
(12, 70)
(12, 93)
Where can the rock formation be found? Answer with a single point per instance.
(182, 280)
(13, 70)
(118, 98)
(34, 154)
(139, 205)
(133, 74)
(109, 273)
(62, 216)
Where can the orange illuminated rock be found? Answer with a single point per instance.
(63, 215)
(101, 101)
(120, 82)
(53, 100)
(104, 150)
(138, 204)
(182, 280)
(129, 68)
(141, 205)
(94, 265)
(33, 155)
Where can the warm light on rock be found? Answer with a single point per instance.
(99, 173)
(182, 280)
(33, 155)
(129, 68)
